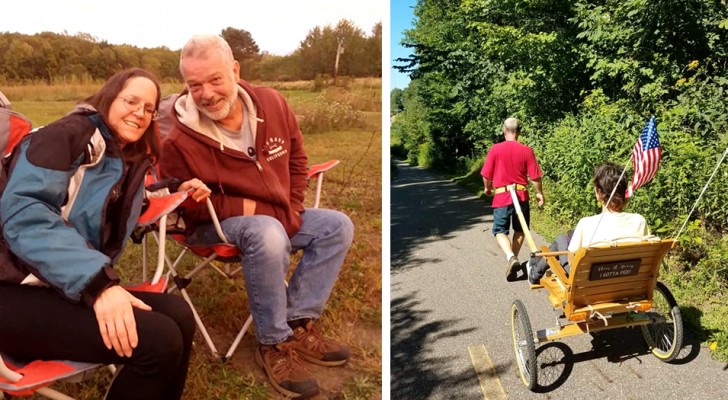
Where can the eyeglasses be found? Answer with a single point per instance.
(135, 105)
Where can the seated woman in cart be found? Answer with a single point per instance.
(612, 223)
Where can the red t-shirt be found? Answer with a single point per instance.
(510, 162)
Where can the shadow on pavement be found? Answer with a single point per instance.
(555, 360)
(414, 373)
(425, 207)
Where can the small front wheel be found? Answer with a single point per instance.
(523, 344)
(664, 335)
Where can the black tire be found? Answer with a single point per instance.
(664, 335)
(523, 344)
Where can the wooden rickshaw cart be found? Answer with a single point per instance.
(610, 285)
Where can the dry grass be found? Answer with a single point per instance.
(354, 311)
(287, 86)
(71, 92)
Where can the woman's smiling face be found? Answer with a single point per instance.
(133, 109)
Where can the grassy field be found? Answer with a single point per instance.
(354, 311)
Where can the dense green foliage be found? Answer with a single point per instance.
(60, 58)
(584, 77)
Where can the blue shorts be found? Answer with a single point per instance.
(503, 216)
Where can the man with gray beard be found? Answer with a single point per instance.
(244, 143)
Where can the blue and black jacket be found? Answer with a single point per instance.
(69, 203)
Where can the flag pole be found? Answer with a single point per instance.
(614, 190)
(701, 193)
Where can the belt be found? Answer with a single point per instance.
(506, 188)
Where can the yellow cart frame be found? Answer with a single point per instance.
(611, 286)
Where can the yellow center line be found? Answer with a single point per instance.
(487, 376)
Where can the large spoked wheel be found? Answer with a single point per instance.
(664, 335)
(523, 344)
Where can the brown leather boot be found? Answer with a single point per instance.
(286, 371)
(317, 349)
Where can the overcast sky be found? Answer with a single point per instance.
(277, 26)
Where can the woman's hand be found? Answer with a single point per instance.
(199, 190)
(115, 316)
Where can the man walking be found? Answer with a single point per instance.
(511, 163)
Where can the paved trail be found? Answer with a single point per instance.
(450, 316)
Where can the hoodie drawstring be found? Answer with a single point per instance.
(217, 173)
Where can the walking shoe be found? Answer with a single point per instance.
(286, 371)
(531, 274)
(512, 269)
(317, 349)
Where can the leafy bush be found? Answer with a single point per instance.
(423, 156)
(320, 82)
(397, 150)
(393, 170)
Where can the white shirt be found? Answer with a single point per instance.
(612, 226)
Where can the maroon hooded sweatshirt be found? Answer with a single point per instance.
(272, 185)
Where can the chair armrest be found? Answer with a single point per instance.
(316, 169)
(7, 373)
(159, 206)
(216, 222)
(554, 264)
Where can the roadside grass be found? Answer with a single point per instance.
(354, 311)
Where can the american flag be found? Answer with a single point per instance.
(646, 157)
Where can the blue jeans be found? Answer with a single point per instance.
(324, 237)
(504, 216)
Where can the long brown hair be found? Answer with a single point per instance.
(149, 143)
(606, 176)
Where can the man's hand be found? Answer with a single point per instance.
(199, 190)
(540, 199)
(488, 185)
(116, 321)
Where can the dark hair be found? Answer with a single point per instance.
(606, 176)
(101, 101)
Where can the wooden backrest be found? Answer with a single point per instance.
(618, 272)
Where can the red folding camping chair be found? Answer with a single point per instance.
(25, 379)
(13, 127)
(223, 252)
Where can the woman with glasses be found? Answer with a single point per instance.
(71, 195)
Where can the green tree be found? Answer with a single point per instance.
(18, 60)
(640, 49)
(372, 57)
(395, 101)
(244, 48)
(316, 54)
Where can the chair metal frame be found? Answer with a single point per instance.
(223, 252)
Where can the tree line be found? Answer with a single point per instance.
(584, 77)
(52, 57)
